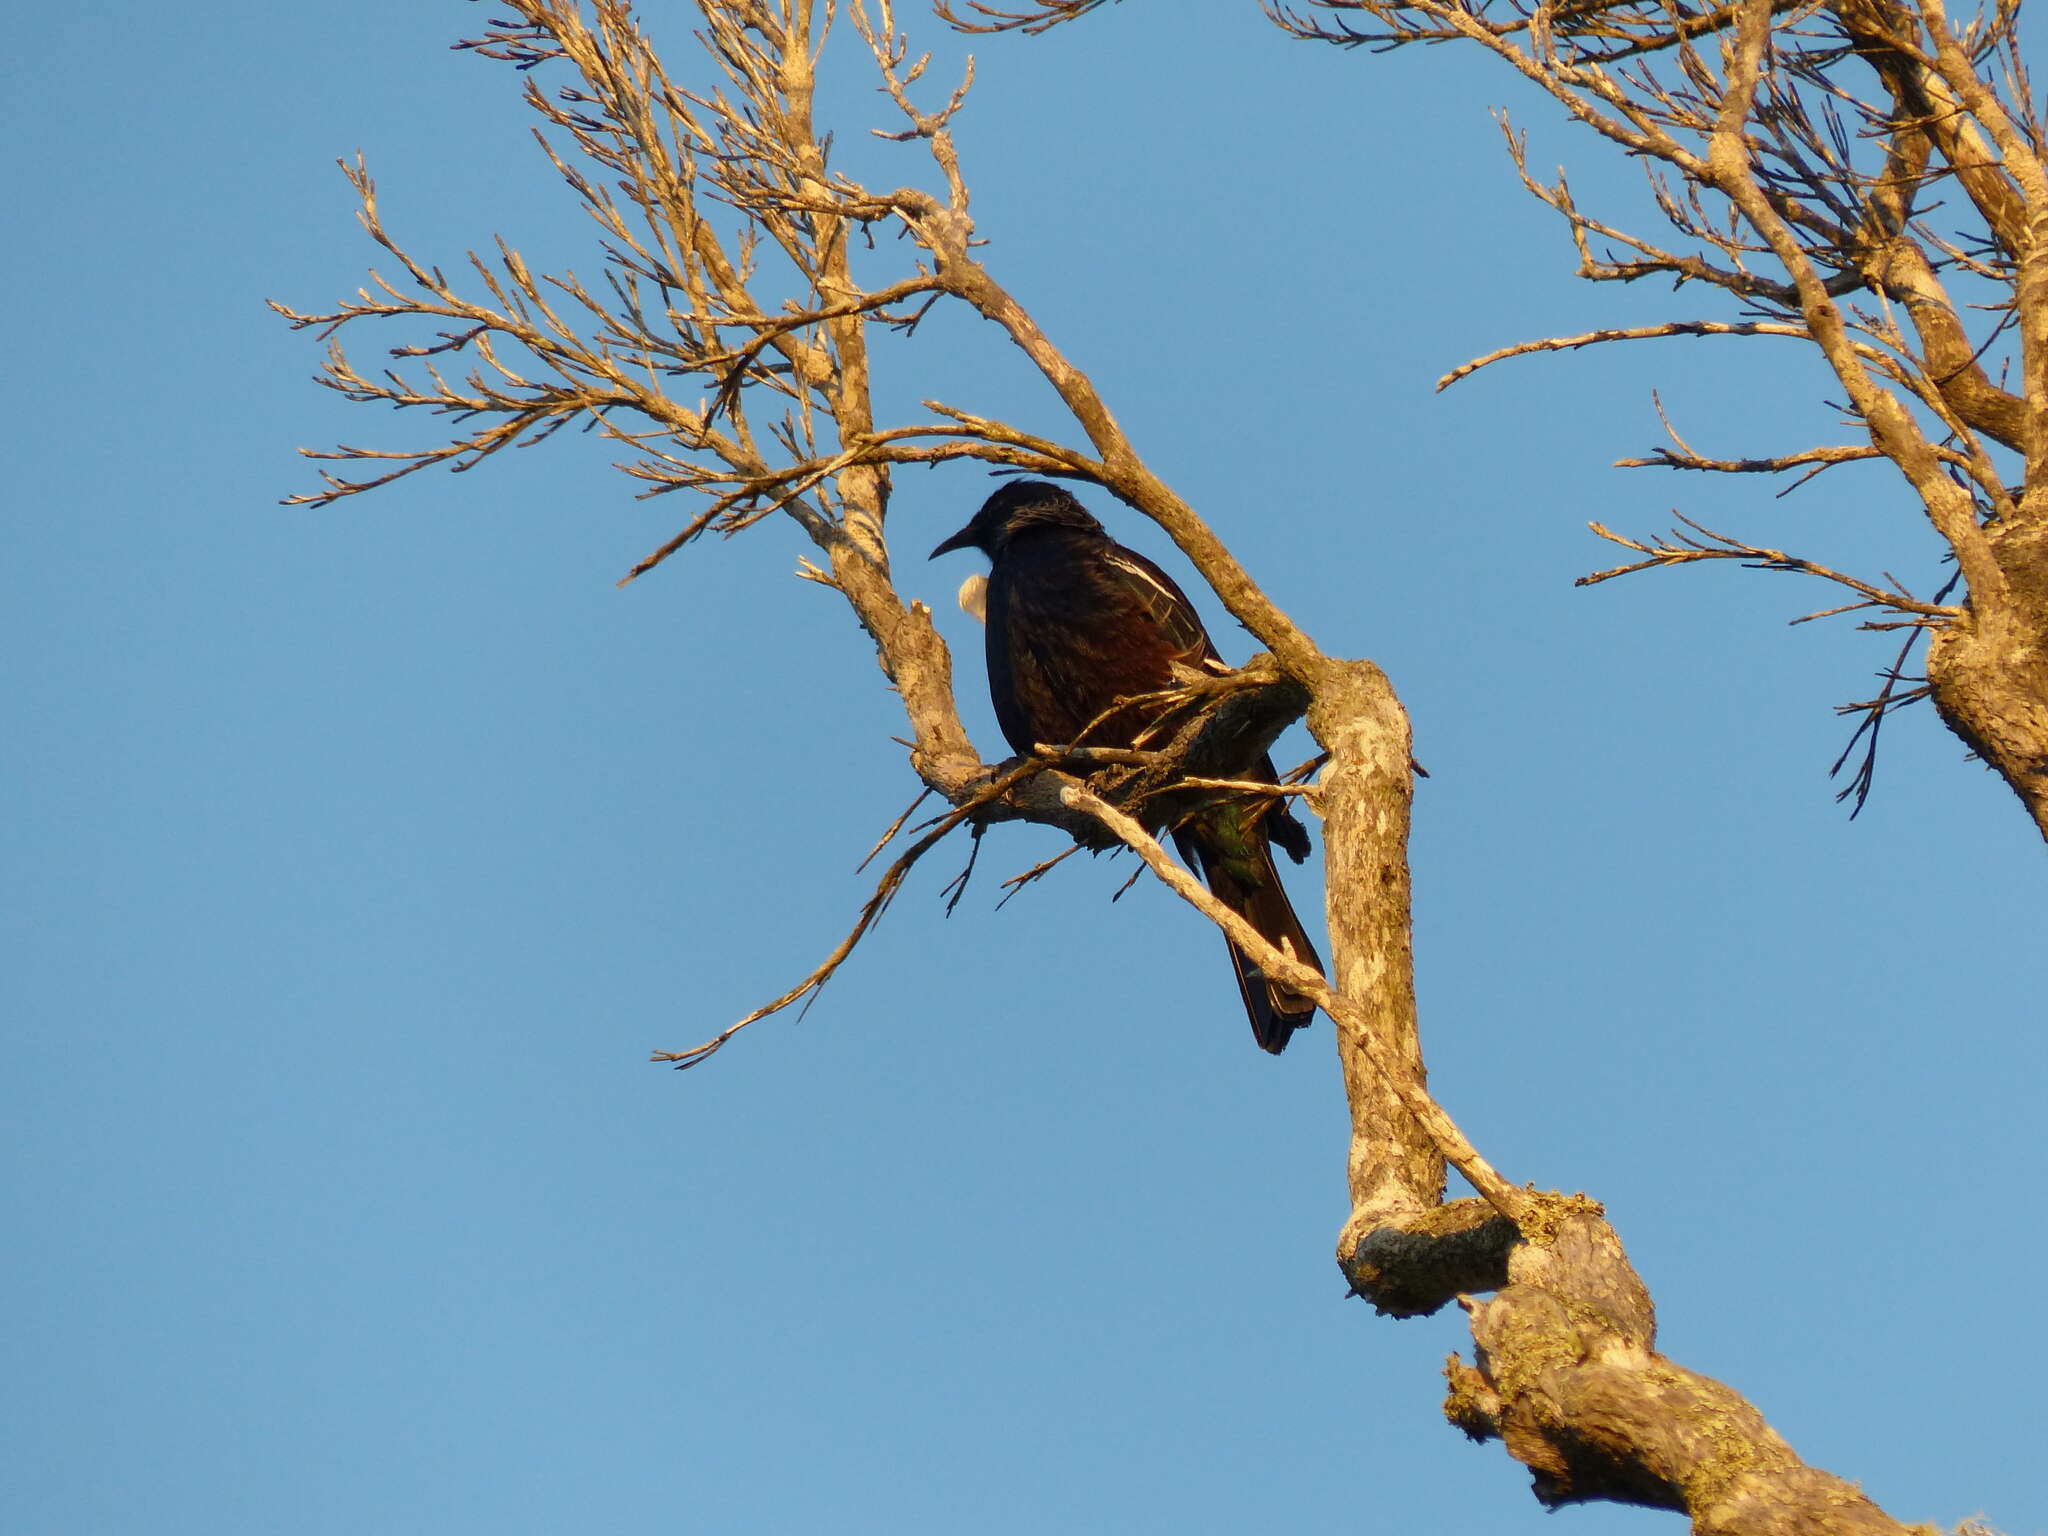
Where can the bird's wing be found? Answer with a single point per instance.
(1170, 609)
(1164, 603)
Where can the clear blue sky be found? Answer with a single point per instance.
(356, 859)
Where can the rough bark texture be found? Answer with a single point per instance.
(1989, 670)
(1411, 1265)
(1567, 1376)
(1365, 793)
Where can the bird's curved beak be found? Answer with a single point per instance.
(962, 540)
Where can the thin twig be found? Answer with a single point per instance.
(1719, 546)
(885, 891)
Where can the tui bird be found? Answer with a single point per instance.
(1077, 622)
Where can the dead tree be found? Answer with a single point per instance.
(1865, 177)
(725, 349)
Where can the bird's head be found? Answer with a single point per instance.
(1019, 506)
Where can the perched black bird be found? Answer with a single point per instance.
(1077, 622)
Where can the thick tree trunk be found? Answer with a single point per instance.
(1989, 671)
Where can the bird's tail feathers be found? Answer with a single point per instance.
(1276, 1010)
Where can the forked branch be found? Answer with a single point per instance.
(1705, 544)
(728, 352)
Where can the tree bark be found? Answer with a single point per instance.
(1567, 1377)
(1989, 670)
(1564, 1369)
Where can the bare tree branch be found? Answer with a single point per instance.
(1815, 202)
(1624, 333)
(1684, 549)
(728, 351)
